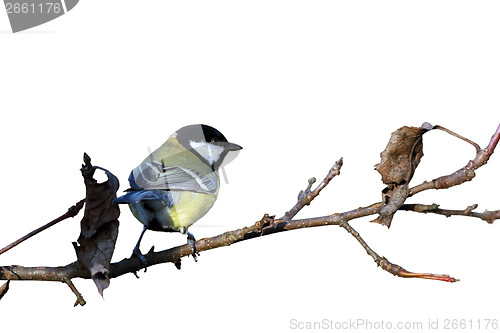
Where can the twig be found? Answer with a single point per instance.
(356, 235)
(5, 287)
(79, 297)
(487, 215)
(72, 212)
(386, 265)
(401, 272)
(305, 197)
(464, 174)
(478, 148)
(494, 141)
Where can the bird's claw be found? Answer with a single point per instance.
(192, 244)
(138, 254)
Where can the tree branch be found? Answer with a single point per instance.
(72, 212)
(269, 225)
(305, 197)
(462, 175)
(488, 216)
(478, 148)
(79, 297)
(396, 270)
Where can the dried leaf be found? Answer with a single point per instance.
(99, 208)
(99, 226)
(4, 288)
(95, 253)
(402, 154)
(397, 166)
(394, 197)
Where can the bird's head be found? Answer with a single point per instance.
(206, 142)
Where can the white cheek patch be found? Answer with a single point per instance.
(215, 151)
(202, 149)
(209, 152)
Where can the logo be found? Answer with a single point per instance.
(26, 14)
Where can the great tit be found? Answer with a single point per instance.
(178, 183)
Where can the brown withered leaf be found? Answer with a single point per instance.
(95, 253)
(394, 196)
(99, 208)
(402, 154)
(99, 226)
(397, 166)
(4, 288)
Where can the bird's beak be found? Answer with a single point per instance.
(233, 146)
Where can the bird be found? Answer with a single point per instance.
(178, 183)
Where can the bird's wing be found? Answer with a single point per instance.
(134, 196)
(155, 176)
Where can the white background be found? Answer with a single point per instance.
(298, 84)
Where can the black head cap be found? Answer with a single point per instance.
(199, 133)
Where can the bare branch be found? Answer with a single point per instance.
(4, 288)
(44, 273)
(494, 141)
(72, 212)
(488, 216)
(269, 225)
(463, 175)
(79, 297)
(266, 226)
(401, 272)
(478, 148)
(305, 197)
(386, 265)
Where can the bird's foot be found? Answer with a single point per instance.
(192, 244)
(138, 254)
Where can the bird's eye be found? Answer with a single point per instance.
(214, 140)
